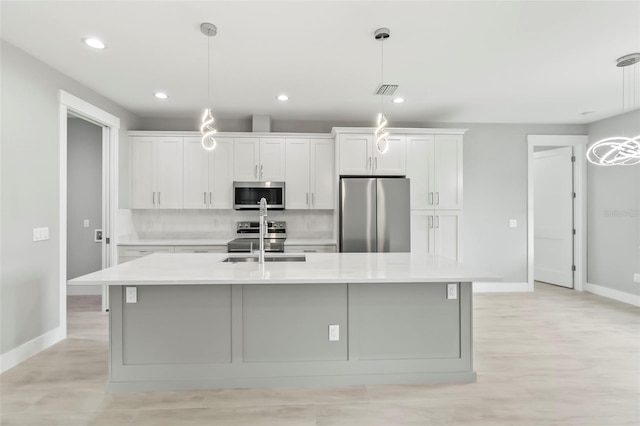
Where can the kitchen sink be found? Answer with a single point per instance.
(267, 258)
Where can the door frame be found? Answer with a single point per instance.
(72, 105)
(579, 144)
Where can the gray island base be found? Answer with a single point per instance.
(199, 323)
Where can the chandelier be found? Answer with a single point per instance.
(618, 150)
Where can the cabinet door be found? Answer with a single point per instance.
(447, 176)
(142, 172)
(447, 234)
(297, 194)
(355, 156)
(322, 183)
(170, 172)
(421, 232)
(420, 170)
(221, 162)
(272, 159)
(196, 174)
(246, 159)
(393, 161)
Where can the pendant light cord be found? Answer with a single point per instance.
(208, 72)
(381, 71)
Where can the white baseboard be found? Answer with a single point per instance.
(499, 287)
(84, 290)
(620, 296)
(25, 351)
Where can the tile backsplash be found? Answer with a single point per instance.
(214, 224)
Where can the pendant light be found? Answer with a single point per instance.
(619, 150)
(380, 134)
(206, 128)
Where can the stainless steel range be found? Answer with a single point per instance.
(247, 237)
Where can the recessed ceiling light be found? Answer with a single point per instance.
(398, 100)
(282, 98)
(160, 95)
(94, 42)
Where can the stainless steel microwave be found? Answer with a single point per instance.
(247, 195)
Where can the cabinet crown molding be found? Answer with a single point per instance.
(230, 134)
(400, 130)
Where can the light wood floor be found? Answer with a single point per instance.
(552, 357)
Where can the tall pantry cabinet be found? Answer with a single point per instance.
(434, 165)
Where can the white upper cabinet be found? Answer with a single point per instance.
(434, 165)
(272, 159)
(259, 159)
(322, 174)
(246, 159)
(208, 175)
(156, 172)
(310, 179)
(359, 156)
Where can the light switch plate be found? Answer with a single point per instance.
(334, 333)
(85, 223)
(636, 278)
(131, 295)
(513, 223)
(40, 234)
(452, 291)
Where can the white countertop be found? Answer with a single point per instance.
(217, 242)
(208, 268)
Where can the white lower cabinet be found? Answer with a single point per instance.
(436, 232)
(311, 249)
(127, 253)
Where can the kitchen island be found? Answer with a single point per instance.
(194, 321)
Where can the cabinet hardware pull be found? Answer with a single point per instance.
(200, 251)
(210, 198)
(154, 198)
(159, 202)
(369, 163)
(144, 251)
(430, 221)
(256, 172)
(437, 221)
(204, 197)
(313, 199)
(376, 164)
(431, 198)
(261, 171)
(438, 197)
(307, 198)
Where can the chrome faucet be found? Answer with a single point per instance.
(263, 228)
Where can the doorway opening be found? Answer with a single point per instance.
(556, 213)
(109, 125)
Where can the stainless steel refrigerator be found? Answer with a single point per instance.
(374, 215)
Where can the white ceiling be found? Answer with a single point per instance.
(480, 61)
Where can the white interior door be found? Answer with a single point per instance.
(553, 216)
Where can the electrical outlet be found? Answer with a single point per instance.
(131, 295)
(85, 223)
(334, 333)
(452, 291)
(513, 223)
(636, 278)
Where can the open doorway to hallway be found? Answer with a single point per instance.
(84, 203)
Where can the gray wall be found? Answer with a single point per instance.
(613, 212)
(84, 201)
(29, 191)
